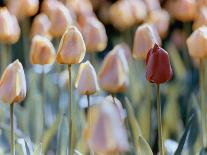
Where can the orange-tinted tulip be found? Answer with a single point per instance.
(158, 65)
(41, 25)
(49, 6)
(107, 133)
(72, 47)
(13, 83)
(86, 81)
(197, 43)
(9, 27)
(201, 20)
(23, 8)
(42, 51)
(94, 34)
(113, 75)
(161, 20)
(145, 37)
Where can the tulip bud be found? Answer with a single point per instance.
(201, 20)
(145, 37)
(86, 81)
(94, 34)
(158, 65)
(9, 27)
(152, 5)
(13, 83)
(41, 25)
(161, 20)
(48, 6)
(197, 43)
(42, 51)
(113, 75)
(60, 19)
(127, 51)
(107, 133)
(72, 47)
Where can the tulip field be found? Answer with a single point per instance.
(103, 77)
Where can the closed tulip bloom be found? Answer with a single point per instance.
(72, 47)
(145, 37)
(152, 5)
(49, 6)
(197, 43)
(94, 34)
(86, 81)
(41, 25)
(201, 20)
(9, 27)
(13, 83)
(107, 134)
(158, 65)
(42, 51)
(113, 75)
(161, 20)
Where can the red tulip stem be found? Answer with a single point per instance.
(159, 121)
(43, 95)
(12, 129)
(70, 148)
(202, 100)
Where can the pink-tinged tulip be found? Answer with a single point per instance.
(127, 51)
(42, 51)
(41, 26)
(23, 8)
(158, 65)
(9, 27)
(145, 37)
(86, 81)
(201, 19)
(152, 5)
(13, 84)
(161, 20)
(94, 34)
(182, 10)
(113, 75)
(197, 43)
(49, 6)
(107, 134)
(72, 47)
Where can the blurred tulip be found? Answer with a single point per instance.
(127, 51)
(152, 5)
(113, 75)
(161, 20)
(42, 51)
(158, 65)
(103, 12)
(197, 43)
(183, 10)
(145, 37)
(86, 81)
(49, 6)
(107, 134)
(9, 27)
(41, 26)
(179, 38)
(23, 8)
(13, 84)
(201, 20)
(201, 3)
(94, 34)
(72, 47)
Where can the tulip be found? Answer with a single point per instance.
(71, 51)
(13, 90)
(161, 20)
(145, 37)
(41, 26)
(152, 5)
(201, 20)
(107, 134)
(158, 71)
(197, 49)
(103, 12)
(113, 75)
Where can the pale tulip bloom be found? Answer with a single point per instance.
(197, 43)
(42, 51)
(9, 27)
(201, 19)
(86, 81)
(49, 6)
(145, 38)
(72, 47)
(13, 83)
(152, 5)
(127, 51)
(41, 26)
(107, 133)
(113, 75)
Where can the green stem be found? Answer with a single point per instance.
(159, 121)
(202, 100)
(12, 129)
(5, 56)
(43, 95)
(70, 112)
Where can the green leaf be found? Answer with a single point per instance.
(144, 148)
(38, 150)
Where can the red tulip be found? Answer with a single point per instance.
(158, 65)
